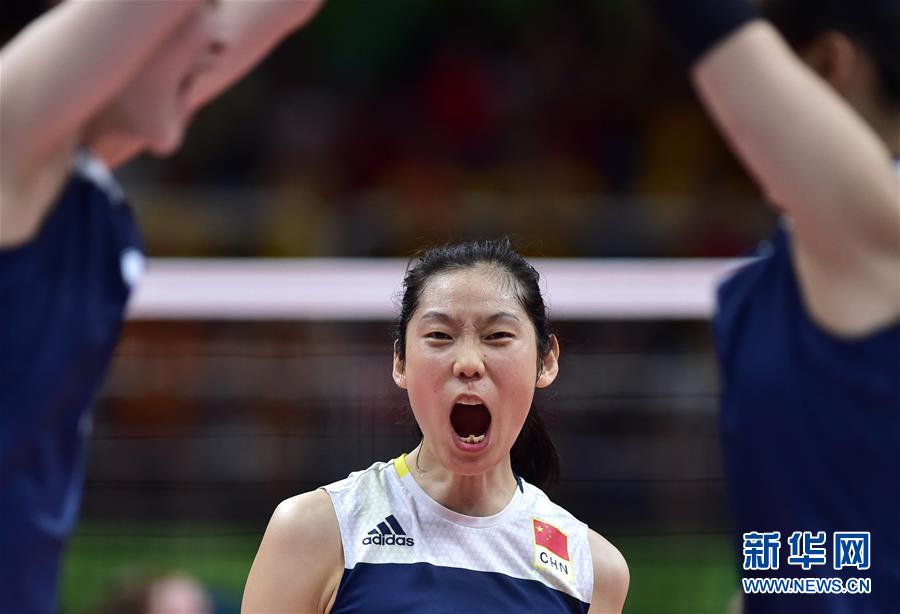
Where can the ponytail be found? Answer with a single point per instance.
(534, 456)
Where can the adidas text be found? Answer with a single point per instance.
(388, 540)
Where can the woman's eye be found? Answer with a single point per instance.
(437, 335)
(499, 335)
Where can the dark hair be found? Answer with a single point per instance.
(533, 455)
(872, 24)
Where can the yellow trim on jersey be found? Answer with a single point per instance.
(401, 466)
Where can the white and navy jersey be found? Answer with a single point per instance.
(62, 297)
(403, 551)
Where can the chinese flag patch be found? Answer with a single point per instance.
(551, 538)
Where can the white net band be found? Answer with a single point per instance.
(367, 289)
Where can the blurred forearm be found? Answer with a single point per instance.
(252, 29)
(809, 150)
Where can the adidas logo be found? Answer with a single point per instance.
(388, 533)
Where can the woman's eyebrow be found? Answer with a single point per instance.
(440, 316)
(501, 315)
(433, 314)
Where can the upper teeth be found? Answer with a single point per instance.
(469, 402)
(474, 438)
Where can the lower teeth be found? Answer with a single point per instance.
(473, 438)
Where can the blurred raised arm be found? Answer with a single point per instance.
(251, 29)
(68, 63)
(813, 155)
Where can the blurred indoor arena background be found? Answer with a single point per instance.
(384, 127)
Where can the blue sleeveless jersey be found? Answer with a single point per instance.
(62, 297)
(811, 435)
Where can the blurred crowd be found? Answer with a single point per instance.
(381, 128)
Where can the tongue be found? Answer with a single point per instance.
(470, 419)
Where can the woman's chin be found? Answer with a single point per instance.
(468, 463)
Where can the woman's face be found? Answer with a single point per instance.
(155, 104)
(471, 367)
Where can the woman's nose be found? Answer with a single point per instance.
(469, 362)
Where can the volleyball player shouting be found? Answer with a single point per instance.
(85, 87)
(808, 335)
(457, 525)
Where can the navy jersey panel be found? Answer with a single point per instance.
(62, 298)
(423, 587)
(810, 429)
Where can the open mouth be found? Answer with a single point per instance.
(470, 421)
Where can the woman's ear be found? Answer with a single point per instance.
(399, 370)
(549, 364)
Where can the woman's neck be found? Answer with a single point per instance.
(484, 494)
